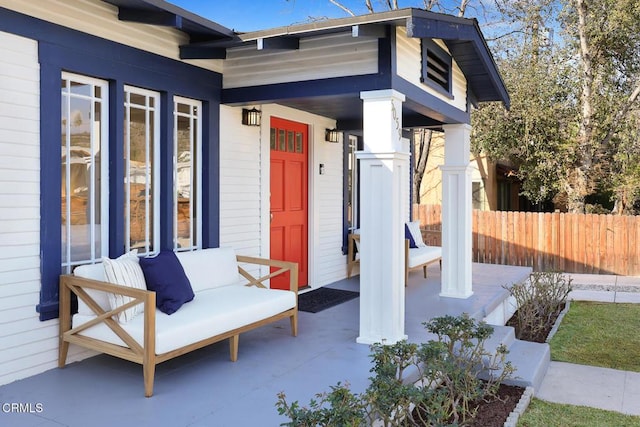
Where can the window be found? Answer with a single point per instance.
(290, 141)
(477, 195)
(436, 67)
(504, 196)
(142, 160)
(350, 187)
(105, 129)
(353, 185)
(84, 191)
(187, 146)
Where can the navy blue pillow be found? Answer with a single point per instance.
(164, 275)
(407, 235)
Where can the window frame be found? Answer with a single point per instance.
(103, 149)
(352, 143)
(152, 169)
(196, 169)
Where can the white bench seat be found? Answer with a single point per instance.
(212, 312)
(421, 256)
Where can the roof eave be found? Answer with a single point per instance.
(194, 25)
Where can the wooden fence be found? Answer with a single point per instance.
(573, 243)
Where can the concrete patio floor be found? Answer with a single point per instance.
(204, 388)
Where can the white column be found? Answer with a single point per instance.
(456, 213)
(384, 164)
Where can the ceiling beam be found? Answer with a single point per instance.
(372, 30)
(202, 52)
(425, 28)
(278, 43)
(162, 18)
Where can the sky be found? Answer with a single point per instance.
(251, 15)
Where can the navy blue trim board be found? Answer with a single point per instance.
(63, 49)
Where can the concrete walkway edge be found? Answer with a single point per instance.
(596, 387)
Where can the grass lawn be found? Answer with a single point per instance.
(599, 334)
(545, 414)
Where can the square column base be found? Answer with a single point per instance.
(385, 341)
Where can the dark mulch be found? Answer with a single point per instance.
(494, 411)
(540, 336)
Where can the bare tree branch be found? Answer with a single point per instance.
(463, 7)
(621, 114)
(369, 6)
(422, 154)
(344, 8)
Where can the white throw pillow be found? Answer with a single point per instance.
(93, 272)
(125, 270)
(414, 229)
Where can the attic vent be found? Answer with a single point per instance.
(436, 67)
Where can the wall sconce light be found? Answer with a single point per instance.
(332, 135)
(251, 117)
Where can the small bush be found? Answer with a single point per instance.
(448, 367)
(539, 303)
(454, 362)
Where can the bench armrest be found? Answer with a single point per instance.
(78, 285)
(282, 266)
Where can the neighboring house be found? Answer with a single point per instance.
(494, 185)
(121, 127)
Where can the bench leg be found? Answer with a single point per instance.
(406, 277)
(149, 372)
(294, 324)
(63, 349)
(233, 347)
(424, 267)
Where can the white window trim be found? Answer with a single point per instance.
(355, 185)
(155, 178)
(195, 170)
(104, 171)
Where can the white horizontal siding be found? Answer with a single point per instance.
(27, 346)
(329, 56)
(409, 67)
(19, 225)
(240, 185)
(331, 263)
(101, 19)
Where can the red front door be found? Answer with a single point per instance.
(289, 142)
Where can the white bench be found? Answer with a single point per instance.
(224, 306)
(414, 257)
(420, 257)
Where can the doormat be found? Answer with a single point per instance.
(323, 298)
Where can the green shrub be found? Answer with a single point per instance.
(448, 369)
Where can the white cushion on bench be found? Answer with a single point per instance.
(423, 255)
(205, 269)
(210, 268)
(212, 312)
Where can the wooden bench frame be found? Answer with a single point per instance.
(145, 354)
